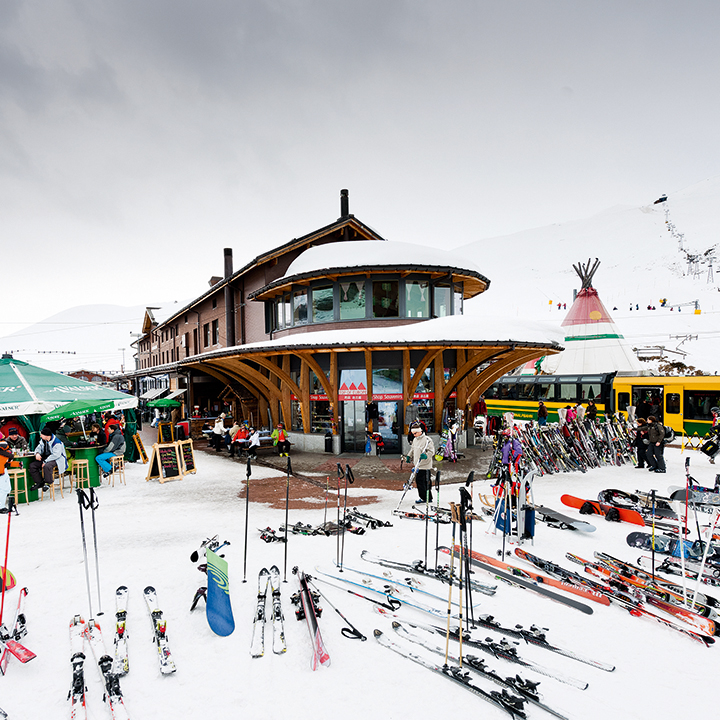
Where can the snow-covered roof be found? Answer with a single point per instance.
(454, 329)
(362, 253)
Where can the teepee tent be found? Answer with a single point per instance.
(593, 343)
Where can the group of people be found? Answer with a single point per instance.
(649, 444)
(244, 437)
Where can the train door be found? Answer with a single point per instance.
(648, 400)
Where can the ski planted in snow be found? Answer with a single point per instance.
(76, 696)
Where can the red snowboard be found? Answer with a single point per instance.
(625, 515)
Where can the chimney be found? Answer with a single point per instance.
(229, 300)
(344, 204)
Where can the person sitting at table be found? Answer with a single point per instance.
(116, 447)
(16, 441)
(6, 455)
(239, 440)
(110, 421)
(96, 436)
(49, 454)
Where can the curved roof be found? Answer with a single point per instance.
(353, 256)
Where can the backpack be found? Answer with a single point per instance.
(669, 435)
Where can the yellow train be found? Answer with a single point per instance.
(684, 403)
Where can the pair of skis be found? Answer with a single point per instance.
(268, 579)
(80, 632)
(309, 611)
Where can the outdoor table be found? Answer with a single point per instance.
(24, 462)
(89, 454)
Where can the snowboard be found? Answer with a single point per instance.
(700, 496)
(218, 609)
(565, 521)
(671, 546)
(598, 508)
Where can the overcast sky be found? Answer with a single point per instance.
(140, 137)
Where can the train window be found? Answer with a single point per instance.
(590, 391)
(699, 403)
(526, 391)
(568, 392)
(672, 403)
(493, 392)
(623, 400)
(546, 391)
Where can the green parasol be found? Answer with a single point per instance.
(164, 402)
(78, 408)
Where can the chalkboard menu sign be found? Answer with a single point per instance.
(166, 432)
(165, 463)
(140, 448)
(187, 456)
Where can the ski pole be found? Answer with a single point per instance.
(349, 478)
(93, 504)
(652, 495)
(437, 524)
(337, 543)
(4, 570)
(349, 632)
(248, 472)
(428, 485)
(327, 490)
(465, 505)
(468, 484)
(454, 516)
(82, 502)
(287, 509)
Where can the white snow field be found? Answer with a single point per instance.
(146, 532)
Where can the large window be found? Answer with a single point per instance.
(568, 392)
(698, 404)
(442, 297)
(206, 335)
(352, 299)
(322, 304)
(300, 309)
(417, 299)
(216, 332)
(385, 298)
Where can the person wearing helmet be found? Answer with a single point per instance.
(421, 455)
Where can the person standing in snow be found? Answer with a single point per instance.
(421, 455)
(6, 455)
(641, 442)
(654, 451)
(591, 412)
(542, 413)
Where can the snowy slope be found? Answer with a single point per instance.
(531, 271)
(146, 532)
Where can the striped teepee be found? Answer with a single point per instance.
(593, 343)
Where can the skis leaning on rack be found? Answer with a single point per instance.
(167, 665)
(80, 631)
(268, 579)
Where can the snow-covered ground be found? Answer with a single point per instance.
(146, 532)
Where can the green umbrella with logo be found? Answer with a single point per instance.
(164, 402)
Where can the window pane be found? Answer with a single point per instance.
(287, 319)
(385, 298)
(698, 404)
(352, 299)
(417, 299)
(442, 299)
(568, 393)
(300, 308)
(526, 391)
(590, 391)
(672, 403)
(322, 304)
(279, 317)
(458, 302)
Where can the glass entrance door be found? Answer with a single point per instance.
(353, 436)
(388, 426)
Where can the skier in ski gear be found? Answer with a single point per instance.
(421, 455)
(641, 442)
(654, 451)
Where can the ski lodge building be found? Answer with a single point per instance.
(334, 333)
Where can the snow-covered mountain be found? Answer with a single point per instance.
(91, 337)
(644, 259)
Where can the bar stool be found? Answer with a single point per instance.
(118, 469)
(50, 488)
(80, 474)
(18, 475)
(58, 482)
